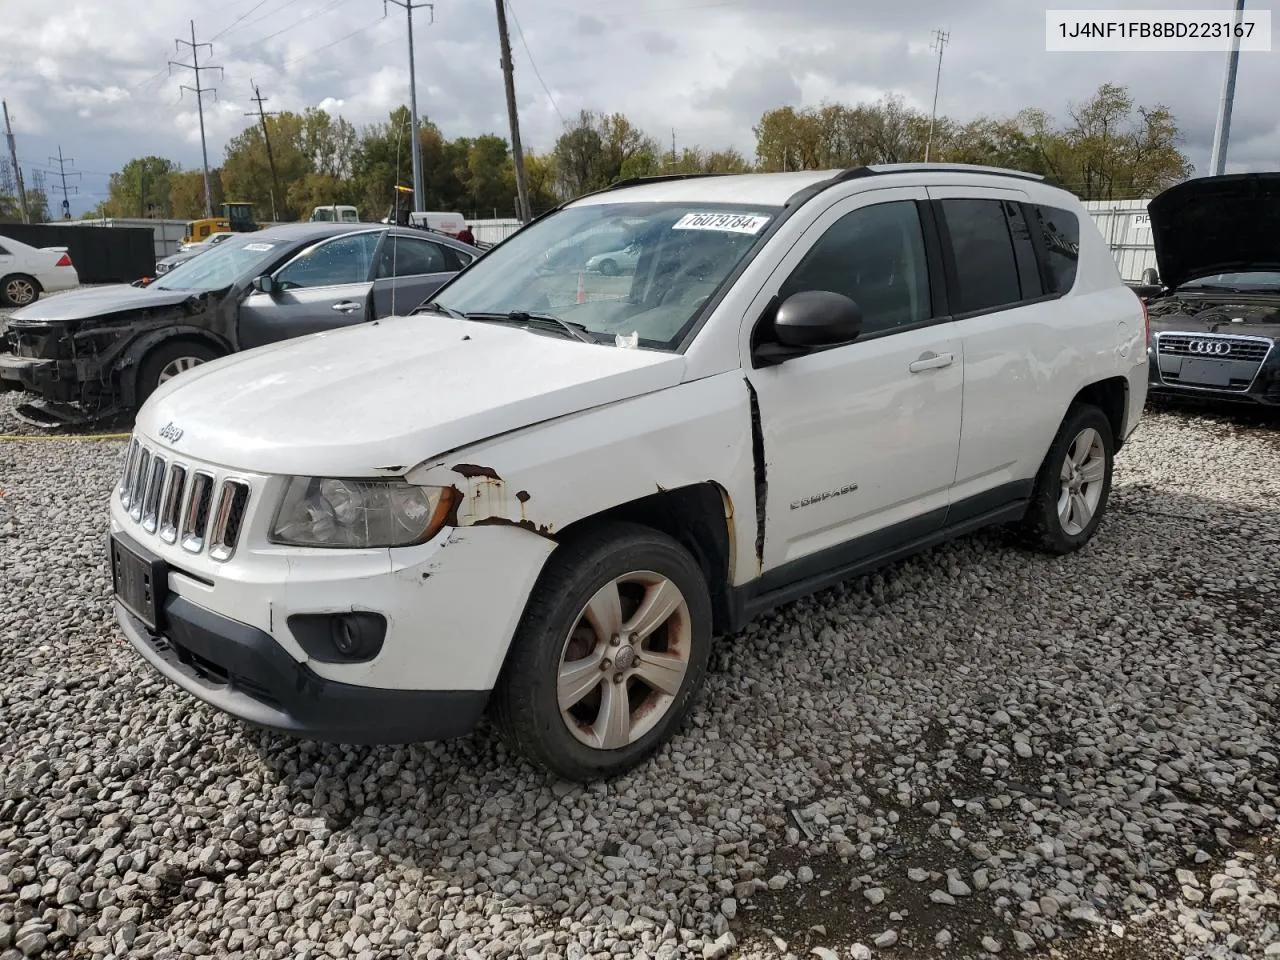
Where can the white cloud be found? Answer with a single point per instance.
(92, 75)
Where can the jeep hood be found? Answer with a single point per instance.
(1215, 225)
(381, 397)
(98, 301)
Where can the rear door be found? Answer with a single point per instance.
(327, 285)
(410, 269)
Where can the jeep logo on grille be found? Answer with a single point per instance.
(170, 432)
(1217, 348)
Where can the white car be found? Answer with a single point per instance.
(26, 272)
(614, 262)
(526, 501)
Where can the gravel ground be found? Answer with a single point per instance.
(981, 750)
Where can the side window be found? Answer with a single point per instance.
(875, 256)
(410, 257)
(341, 260)
(986, 269)
(3, 251)
(1061, 232)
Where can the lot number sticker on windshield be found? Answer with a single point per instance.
(726, 222)
(258, 247)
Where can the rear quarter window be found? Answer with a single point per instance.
(1060, 231)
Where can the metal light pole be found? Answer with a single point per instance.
(409, 7)
(940, 39)
(1222, 132)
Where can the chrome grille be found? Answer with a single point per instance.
(1238, 348)
(183, 504)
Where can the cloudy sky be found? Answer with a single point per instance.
(91, 76)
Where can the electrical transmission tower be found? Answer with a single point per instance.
(262, 115)
(199, 90)
(940, 38)
(62, 173)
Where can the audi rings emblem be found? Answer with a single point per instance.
(1216, 348)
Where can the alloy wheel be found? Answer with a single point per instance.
(1084, 469)
(625, 660)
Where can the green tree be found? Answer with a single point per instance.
(186, 193)
(140, 189)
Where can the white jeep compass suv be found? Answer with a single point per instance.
(546, 490)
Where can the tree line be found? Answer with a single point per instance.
(1107, 147)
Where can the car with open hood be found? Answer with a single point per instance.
(1215, 320)
(101, 351)
(544, 492)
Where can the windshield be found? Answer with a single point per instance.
(1247, 280)
(223, 264)
(638, 270)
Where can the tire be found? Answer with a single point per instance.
(578, 743)
(608, 268)
(19, 290)
(161, 363)
(1085, 439)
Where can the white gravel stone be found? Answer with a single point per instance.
(1141, 669)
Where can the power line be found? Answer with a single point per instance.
(529, 53)
(195, 68)
(293, 26)
(331, 43)
(231, 26)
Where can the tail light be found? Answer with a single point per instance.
(64, 261)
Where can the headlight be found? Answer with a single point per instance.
(321, 512)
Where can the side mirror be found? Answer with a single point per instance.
(808, 321)
(266, 284)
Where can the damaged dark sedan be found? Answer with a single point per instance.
(1215, 323)
(100, 352)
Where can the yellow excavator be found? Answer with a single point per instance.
(236, 217)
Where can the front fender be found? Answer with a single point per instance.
(550, 475)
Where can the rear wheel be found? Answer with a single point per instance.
(18, 290)
(1074, 483)
(167, 361)
(609, 656)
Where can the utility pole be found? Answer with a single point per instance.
(17, 170)
(409, 6)
(523, 214)
(259, 99)
(940, 39)
(62, 173)
(199, 91)
(1222, 131)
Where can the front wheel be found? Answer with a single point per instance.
(608, 268)
(1074, 483)
(609, 656)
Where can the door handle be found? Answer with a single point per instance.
(346, 306)
(931, 361)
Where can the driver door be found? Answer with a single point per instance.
(327, 285)
(861, 441)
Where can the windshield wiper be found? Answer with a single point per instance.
(575, 330)
(434, 307)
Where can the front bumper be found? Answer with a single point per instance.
(1262, 387)
(244, 672)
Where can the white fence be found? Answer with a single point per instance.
(1125, 226)
(168, 233)
(493, 231)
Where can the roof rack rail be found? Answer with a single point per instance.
(883, 168)
(656, 178)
